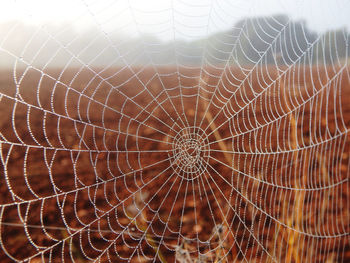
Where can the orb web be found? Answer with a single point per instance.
(190, 153)
(175, 131)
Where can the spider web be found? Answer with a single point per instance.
(128, 148)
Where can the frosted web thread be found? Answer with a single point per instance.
(209, 146)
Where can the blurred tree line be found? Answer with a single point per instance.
(269, 40)
(265, 40)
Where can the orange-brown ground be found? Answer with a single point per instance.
(63, 132)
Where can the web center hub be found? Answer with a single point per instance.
(190, 152)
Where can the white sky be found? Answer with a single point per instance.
(157, 16)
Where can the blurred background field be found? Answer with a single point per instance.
(174, 131)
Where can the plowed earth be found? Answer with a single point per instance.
(128, 166)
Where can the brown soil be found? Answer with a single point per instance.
(136, 166)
